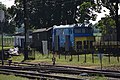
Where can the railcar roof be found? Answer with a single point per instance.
(70, 26)
(63, 26)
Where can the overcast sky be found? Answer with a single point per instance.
(8, 3)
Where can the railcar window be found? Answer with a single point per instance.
(78, 31)
(83, 30)
(88, 30)
(62, 31)
(91, 30)
(70, 31)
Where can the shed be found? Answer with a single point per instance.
(39, 35)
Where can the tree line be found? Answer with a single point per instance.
(46, 13)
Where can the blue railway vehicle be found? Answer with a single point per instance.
(72, 37)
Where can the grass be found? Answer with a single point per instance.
(62, 61)
(48, 59)
(17, 58)
(98, 78)
(11, 77)
(5, 48)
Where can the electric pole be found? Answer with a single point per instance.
(2, 18)
(117, 21)
(25, 27)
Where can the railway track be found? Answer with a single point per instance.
(42, 70)
(34, 74)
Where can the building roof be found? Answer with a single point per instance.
(63, 26)
(39, 30)
(49, 28)
(18, 34)
(42, 30)
(72, 26)
(22, 33)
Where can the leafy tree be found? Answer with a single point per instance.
(107, 25)
(109, 4)
(9, 27)
(112, 5)
(85, 12)
(46, 13)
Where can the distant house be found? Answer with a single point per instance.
(19, 36)
(112, 36)
(106, 39)
(39, 35)
(19, 39)
(97, 34)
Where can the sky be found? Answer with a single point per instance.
(9, 3)
(104, 12)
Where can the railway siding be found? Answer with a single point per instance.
(46, 70)
(32, 74)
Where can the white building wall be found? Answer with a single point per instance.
(17, 40)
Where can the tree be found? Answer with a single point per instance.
(46, 13)
(9, 27)
(85, 12)
(109, 4)
(106, 25)
(112, 5)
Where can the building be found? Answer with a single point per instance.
(19, 39)
(39, 35)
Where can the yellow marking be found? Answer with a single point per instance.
(84, 39)
(91, 38)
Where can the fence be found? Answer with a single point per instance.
(7, 41)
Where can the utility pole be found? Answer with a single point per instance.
(117, 20)
(117, 27)
(25, 27)
(2, 17)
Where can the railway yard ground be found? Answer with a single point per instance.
(64, 69)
